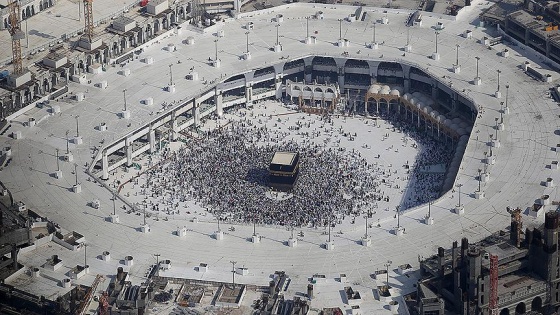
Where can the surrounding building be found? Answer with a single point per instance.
(512, 271)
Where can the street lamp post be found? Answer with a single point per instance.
(340, 29)
(247, 34)
(457, 58)
(479, 178)
(170, 75)
(277, 36)
(387, 264)
(459, 186)
(67, 142)
(233, 272)
(124, 97)
(307, 28)
(374, 33)
(77, 126)
(437, 33)
(499, 71)
(216, 49)
(114, 204)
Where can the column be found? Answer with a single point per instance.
(218, 100)
(104, 166)
(341, 77)
(249, 94)
(174, 130)
(278, 85)
(152, 140)
(128, 147)
(196, 114)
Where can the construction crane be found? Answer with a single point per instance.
(493, 285)
(88, 13)
(17, 35)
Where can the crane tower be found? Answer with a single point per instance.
(17, 35)
(88, 12)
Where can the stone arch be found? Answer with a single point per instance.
(294, 64)
(40, 6)
(173, 17)
(149, 31)
(28, 11)
(27, 96)
(306, 88)
(329, 90)
(263, 71)
(356, 63)
(297, 88)
(536, 304)
(46, 85)
(54, 79)
(323, 61)
(318, 89)
(156, 26)
(504, 311)
(520, 308)
(384, 67)
(182, 13)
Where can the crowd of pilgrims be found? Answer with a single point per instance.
(226, 172)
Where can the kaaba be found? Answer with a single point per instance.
(283, 171)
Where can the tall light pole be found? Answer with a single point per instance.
(459, 186)
(171, 75)
(247, 34)
(76, 173)
(57, 162)
(216, 46)
(499, 71)
(496, 127)
(255, 225)
(374, 32)
(85, 255)
(307, 18)
(277, 36)
(387, 264)
(477, 59)
(367, 217)
(407, 36)
(429, 209)
(398, 217)
(457, 59)
(114, 204)
(233, 272)
(67, 142)
(77, 126)
(507, 95)
(340, 29)
(124, 97)
(329, 228)
(479, 178)
(437, 33)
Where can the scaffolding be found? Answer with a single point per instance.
(493, 285)
(17, 35)
(88, 14)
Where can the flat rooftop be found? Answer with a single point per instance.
(515, 179)
(283, 158)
